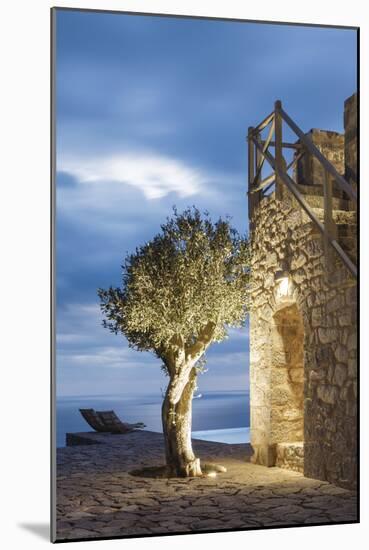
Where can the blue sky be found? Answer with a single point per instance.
(153, 112)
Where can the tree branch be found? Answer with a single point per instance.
(174, 354)
(194, 352)
(178, 382)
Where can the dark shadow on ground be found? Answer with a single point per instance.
(163, 472)
(42, 530)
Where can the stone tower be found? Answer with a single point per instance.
(303, 322)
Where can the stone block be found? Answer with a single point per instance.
(316, 376)
(352, 342)
(269, 281)
(340, 375)
(299, 276)
(298, 261)
(324, 354)
(327, 335)
(296, 374)
(264, 455)
(346, 318)
(281, 395)
(351, 296)
(279, 377)
(318, 317)
(290, 456)
(328, 394)
(336, 303)
(272, 260)
(341, 353)
(352, 368)
(313, 248)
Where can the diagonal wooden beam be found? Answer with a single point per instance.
(290, 184)
(264, 123)
(285, 145)
(270, 179)
(264, 148)
(346, 187)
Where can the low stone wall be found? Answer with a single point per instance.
(290, 456)
(73, 439)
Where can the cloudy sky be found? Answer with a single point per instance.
(153, 112)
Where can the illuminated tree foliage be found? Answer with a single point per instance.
(179, 293)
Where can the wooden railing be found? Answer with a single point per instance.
(259, 152)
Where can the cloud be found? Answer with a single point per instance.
(91, 360)
(104, 357)
(82, 341)
(79, 323)
(235, 360)
(155, 175)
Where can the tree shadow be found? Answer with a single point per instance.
(209, 469)
(42, 530)
(159, 472)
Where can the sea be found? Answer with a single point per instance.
(216, 416)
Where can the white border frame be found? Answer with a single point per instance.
(25, 41)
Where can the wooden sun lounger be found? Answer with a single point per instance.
(108, 421)
(93, 419)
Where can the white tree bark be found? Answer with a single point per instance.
(177, 421)
(177, 405)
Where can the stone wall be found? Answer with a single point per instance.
(284, 235)
(287, 376)
(290, 456)
(350, 122)
(331, 144)
(303, 335)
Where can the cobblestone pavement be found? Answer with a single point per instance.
(97, 497)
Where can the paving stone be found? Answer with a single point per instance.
(97, 496)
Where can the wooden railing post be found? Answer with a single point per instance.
(259, 149)
(309, 145)
(258, 157)
(278, 149)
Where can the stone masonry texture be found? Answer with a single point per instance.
(303, 329)
(98, 497)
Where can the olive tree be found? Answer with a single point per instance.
(179, 293)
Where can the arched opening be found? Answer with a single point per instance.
(287, 388)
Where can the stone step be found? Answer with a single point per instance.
(340, 217)
(314, 195)
(346, 224)
(347, 238)
(346, 230)
(316, 201)
(318, 190)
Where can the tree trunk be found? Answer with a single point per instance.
(177, 421)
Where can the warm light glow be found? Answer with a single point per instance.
(283, 285)
(212, 474)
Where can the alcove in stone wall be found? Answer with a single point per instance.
(287, 388)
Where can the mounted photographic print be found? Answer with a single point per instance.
(204, 203)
